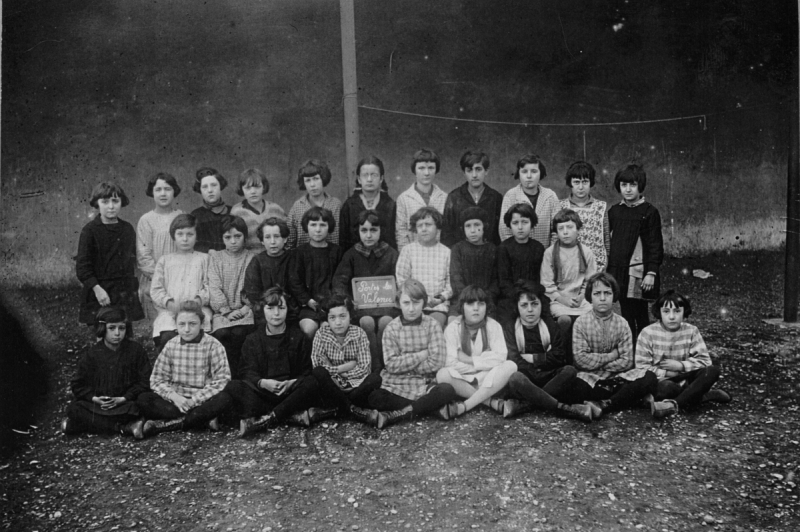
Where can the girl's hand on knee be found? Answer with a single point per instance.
(102, 296)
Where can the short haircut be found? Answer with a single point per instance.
(528, 288)
(470, 159)
(273, 221)
(339, 300)
(205, 172)
(250, 178)
(112, 314)
(602, 278)
(192, 307)
(377, 162)
(105, 190)
(370, 216)
(525, 210)
(415, 290)
(166, 178)
(423, 213)
(674, 298)
(564, 216)
(633, 173)
(182, 221)
(272, 296)
(473, 213)
(580, 170)
(425, 156)
(318, 214)
(234, 222)
(531, 158)
(471, 294)
(310, 168)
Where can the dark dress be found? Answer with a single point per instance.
(517, 261)
(209, 229)
(263, 273)
(348, 220)
(107, 257)
(627, 225)
(360, 262)
(312, 274)
(460, 199)
(473, 265)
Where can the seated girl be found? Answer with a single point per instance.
(341, 359)
(477, 365)
(110, 378)
(675, 351)
(371, 257)
(413, 350)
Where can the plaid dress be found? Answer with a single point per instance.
(603, 348)
(297, 236)
(413, 354)
(329, 353)
(429, 265)
(226, 285)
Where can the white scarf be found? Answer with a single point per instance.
(519, 334)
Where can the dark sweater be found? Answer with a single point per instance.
(103, 372)
(555, 358)
(348, 220)
(312, 274)
(518, 261)
(209, 229)
(263, 273)
(354, 263)
(279, 357)
(627, 225)
(460, 199)
(474, 265)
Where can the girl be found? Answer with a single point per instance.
(315, 263)
(370, 194)
(341, 359)
(312, 177)
(107, 257)
(530, 171)
(476, 364)
(637, 247)
(675, 351)
(371, 257)
(180, 276)
(233, 319)
(254, 208)
(152, 234)
(209, 184)
(595, 233)
(423, 193)
(109, 380)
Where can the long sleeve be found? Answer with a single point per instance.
(403, 268)
(652, 242)
(508, 201)
(437, 352)
(700, 359)
(345, 228)
(203, 293)
(81, 383)
(389, 225)
(396, 361)
(251, 351)
(343, 275)
(298, 283)
(452, 341)
(547, 275)
(219, 375)
(624, 360)
(450, 225)
(253, 286)
(606, 238)
(505, 279)
(319, 356)
(158, 288)
(161, 377)
(402, 221)
(143, 375)
(582, 344)
(645, 354)
(217, 298)
(556, 357)
(145, 257)
(84, 263)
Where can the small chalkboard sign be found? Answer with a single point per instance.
(374, 292)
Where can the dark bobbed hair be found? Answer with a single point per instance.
(425, 155)
(310, 168)
(473, 213)
(377, 162)
(603, 278)
(471, 294)
(633, 173)
(182, 221)
(470, 159)
(531, 158)
(318, 214)
(564, 216)
(415, 290)
(423, 213)
(272, 297)
(112, 314)
(251, 177)
(529, 288)
(580, 170)
(166, 178)
(274, 221)
(192, 307)
(105, 190)
(525, 210)
(370, 216)
(675, 298)
(205, 172)
(339, 300)
(234, 222)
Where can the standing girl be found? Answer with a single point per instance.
(254, 208)
(595, 233)
(312, 178)
(107, 257)
(370, 195)
(530, 171)
(209, 184)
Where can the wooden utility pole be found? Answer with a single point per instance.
(350, 98)
(792, 275)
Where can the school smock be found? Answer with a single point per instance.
(629, 224)
(226, 272)
(430, 265)
(282, 356)
(263, 273)
(348, 221)
(298, 237)
(571, 281)
(518, 261)
(107, 257)
(412, 354)
(656, 343)
(483, 369)
(313, 270)
(209, 228)
(546, 208)
(328, 353)
(153, 240)
(253, 218)
(461, 199)
(358, 261)
(179, 277)
(596, 232)
(409, 202)
(476, 265)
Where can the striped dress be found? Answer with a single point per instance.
(225, 286)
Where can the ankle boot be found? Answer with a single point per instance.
(599, 408)
(365, 415)
(450, 410)
(299, 419)
(157, 426)
(665, 408)
(134, 428)
(253, 424)
(315, 415)
(716, 395)
(390, 418)
(582, 412)
(497, 404)
(515, 407)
